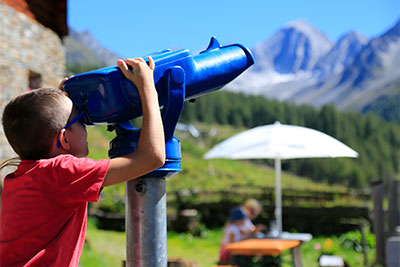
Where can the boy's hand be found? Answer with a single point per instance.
(150, 152)
(61, 85)
(141, 73)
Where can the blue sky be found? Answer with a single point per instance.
(132, 28)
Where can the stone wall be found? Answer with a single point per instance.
(26, 48)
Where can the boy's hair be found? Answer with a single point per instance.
(32, 120)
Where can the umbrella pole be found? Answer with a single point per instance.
(278, 195)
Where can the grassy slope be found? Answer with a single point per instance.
(215, 174)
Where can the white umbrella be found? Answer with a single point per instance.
(278, 141)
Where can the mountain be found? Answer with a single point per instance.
(84, 50)
(299, 64)
(340, 55)
(284, 62)
(294, 48)
(378, 57)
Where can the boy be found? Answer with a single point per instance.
(231, 233)
(44, 202)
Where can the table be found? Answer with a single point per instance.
(267, 246)
(261, 246)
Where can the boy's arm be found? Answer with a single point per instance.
(231, 237)
(150, 153)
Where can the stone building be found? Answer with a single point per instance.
(32, 54)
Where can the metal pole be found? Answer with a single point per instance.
(146, 223)
(394, 207)
(377, 198)
(278, 195)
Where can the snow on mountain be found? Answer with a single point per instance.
(283, 63)
(294, 48)
(375, 72)
(377, 58)
(341, 55)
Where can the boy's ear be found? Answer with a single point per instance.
(63, 140)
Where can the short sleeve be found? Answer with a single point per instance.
(80, 179)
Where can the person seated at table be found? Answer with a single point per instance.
(231, 233)
(252, 208)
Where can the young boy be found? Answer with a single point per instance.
(231, 233)
(44, 202)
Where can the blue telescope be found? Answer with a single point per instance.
(107, 97)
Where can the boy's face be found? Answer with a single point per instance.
(77, 136)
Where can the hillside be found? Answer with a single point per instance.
(199, 175)
(376, 141)
(213, 174)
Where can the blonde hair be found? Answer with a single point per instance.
(253, 204)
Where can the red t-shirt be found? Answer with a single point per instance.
(44, 210)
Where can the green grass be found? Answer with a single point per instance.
(98, 140)
(337, 247)
(103, 248)
(203, 250)
(107, 248)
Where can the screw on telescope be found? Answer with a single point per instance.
(141, 188)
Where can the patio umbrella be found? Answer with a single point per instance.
(278, 141)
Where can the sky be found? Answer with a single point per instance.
(132, 28)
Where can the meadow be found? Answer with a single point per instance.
(107, 248)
